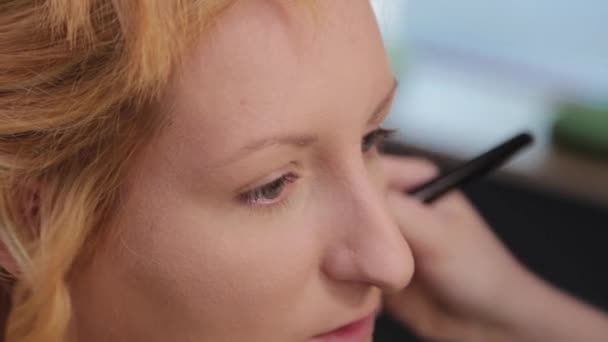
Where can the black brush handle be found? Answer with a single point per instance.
(471, 170)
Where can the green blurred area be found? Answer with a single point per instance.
(583, 128)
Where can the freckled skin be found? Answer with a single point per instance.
(193, 263)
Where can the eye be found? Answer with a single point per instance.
(375, 138)
(269, 193)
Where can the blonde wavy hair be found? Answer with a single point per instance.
(77, 78)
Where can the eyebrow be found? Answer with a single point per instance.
(305, 140)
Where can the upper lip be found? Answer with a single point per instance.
(360, 318)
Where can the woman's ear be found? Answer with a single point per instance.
(26, 208)
(7, 261)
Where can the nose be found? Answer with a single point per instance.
(369, 247)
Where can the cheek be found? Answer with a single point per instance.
(207, 266)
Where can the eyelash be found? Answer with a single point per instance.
(375, 139)
(260, 195)
(266, 195)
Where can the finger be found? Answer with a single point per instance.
(417, 308)
(456, 207)
(413, 306)
(453, 202)
(407, 172)
(418, 224)
(404, 173)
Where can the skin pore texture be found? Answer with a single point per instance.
(275, 96)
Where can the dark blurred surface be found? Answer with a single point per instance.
(560, 239)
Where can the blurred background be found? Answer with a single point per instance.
(472, 73)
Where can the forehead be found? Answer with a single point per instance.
(275, 65)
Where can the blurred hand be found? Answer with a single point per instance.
(463, 272)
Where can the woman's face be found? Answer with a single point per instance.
(258, 213)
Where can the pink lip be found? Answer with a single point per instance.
(356, 331)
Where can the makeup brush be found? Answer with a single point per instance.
(471, 170)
